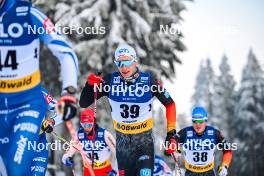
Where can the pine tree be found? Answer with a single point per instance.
(203, 88)
(249, 119)
(222, 98)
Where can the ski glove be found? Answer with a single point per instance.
(67, 105)
(94, 79)
(68, 161)
(171, 143)
(222, 171)
(48, 125)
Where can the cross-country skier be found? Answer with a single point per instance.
(97, 142)
(199, 142)
(131, 95)
(21, 100)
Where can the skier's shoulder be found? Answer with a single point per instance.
(188, 128)
(182, 133)
(17, 8)
(80, 131)
(100, 129)
(22, 5)
(212, 129)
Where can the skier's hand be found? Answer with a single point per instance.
(67, 105)
(222, 170)
(94, 79)
(67, 161)
(47, 125)
(171, 142)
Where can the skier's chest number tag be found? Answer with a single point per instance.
(129, 111)
(200, 156)
(10, 60)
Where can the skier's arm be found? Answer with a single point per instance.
(165, 98)
(58, 46)
(87, 94)
(180, 136)
(227, 153)
(110, 141)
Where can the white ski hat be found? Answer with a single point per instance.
(125, 50)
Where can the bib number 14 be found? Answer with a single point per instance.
(10, 60)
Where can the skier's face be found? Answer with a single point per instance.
(127, 70)
(199, 127)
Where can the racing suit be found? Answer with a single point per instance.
(131, 110)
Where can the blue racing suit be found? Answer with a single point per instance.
(40, 159)
(22, 106)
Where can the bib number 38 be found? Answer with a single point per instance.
(200, 156)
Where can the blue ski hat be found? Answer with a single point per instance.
(125, 50)
(199, 114)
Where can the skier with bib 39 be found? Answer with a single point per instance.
(130, 96)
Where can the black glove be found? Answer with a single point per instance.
(48, 125)
(67, 104)
(170, 138)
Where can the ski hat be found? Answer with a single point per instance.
(199, 114)
(87, 116)
(125, 50)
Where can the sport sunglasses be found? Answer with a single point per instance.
(199, 121)
(124, 63)
(87, 125)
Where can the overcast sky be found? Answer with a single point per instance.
(213, 28)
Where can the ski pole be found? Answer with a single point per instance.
(94, 132)
(215, 173)
(73, 171)
(177, 164)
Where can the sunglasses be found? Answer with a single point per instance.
(87, 125)
(124, 63)
(199, 121)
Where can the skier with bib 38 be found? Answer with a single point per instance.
(199, 142)
(130, 96)
(21, 100)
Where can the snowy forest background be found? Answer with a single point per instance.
(235, 108)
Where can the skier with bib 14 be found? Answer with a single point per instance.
(22, 104)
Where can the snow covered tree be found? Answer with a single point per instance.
(203, 88)
(222, 98)
(249, 120)
(96, 27)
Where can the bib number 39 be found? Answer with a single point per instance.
(129, 111)
(10, 60)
